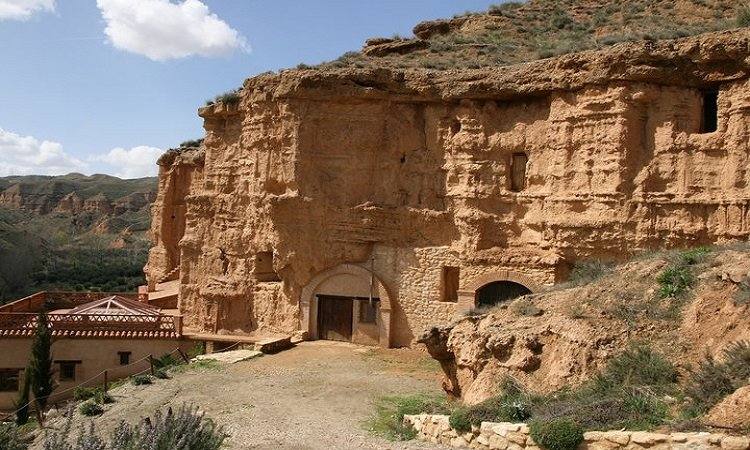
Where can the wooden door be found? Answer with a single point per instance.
(335, 318)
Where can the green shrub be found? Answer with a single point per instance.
(228, 98)
(388, 420)
(713, 380)
(191, 143)
(743, 17)
(161, 374)
(525, 307)
(742, 295)
(561, 434)
(678, 278)
(460, 420)
(675, 281)
(84, 393)
(103, 398)
(588, 271)
(140, 380)
(640, 366)
(90, 408)
(10, 438)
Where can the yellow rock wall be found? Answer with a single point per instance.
(327, 169)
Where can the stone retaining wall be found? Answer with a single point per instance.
(515, 436)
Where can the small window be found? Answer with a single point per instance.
(67, 370)
(450, 277)
(9, 380)
(368, 311)
(710, 117)
(124, 358)
(264, 270)
(518, 171)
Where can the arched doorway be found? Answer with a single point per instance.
(347, 293)
(492, 287)
(498, 292)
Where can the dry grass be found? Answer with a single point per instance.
(516, 32)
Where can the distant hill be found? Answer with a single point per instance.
(73, 232)
(515, 32)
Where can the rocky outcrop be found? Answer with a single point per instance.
(384, 47)
(180, 173)
(563, 337)
(407, 172)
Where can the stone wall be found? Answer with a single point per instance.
(409, 171)
(515, 436)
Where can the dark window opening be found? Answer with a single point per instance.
(455, 127)
(67, 370)
(518, 164)
(264, 270)
(499, 292)
(124, 358)
(9, 380)
(368, 311)
(450, 279)
(710, 117)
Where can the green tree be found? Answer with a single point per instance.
(40, 366)
(23, 405)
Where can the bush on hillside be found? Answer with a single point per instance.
(388, 420)
(713, 380)
(743, 17)
(90, 408)
(560, 434)
(588, 271)
(10, 438)
(187, 429)
(678, 278)
(82, 393)
(142, 380)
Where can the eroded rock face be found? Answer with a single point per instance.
(733, 412)
(545, 352)
(405, 173)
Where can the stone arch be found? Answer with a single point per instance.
(309, 302)
(467, 295)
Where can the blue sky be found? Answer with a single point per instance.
(72, 92)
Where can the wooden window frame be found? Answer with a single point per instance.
(514, 186)
(67, 363)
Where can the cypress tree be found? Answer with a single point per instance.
(22, 414)
(40, 366)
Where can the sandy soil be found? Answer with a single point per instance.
(314, 396)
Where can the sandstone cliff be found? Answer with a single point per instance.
(404, 172)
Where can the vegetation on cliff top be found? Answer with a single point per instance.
(514, 32)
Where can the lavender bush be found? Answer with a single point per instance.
(187, 429)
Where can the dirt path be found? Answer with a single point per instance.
(314, 396)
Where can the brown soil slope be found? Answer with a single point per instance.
(564, 336)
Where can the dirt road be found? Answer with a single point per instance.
(314, 396)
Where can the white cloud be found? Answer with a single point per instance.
(23, 9)
(25, 155)
(137, 162)
(161, 30)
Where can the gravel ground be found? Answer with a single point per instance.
(314, 396)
